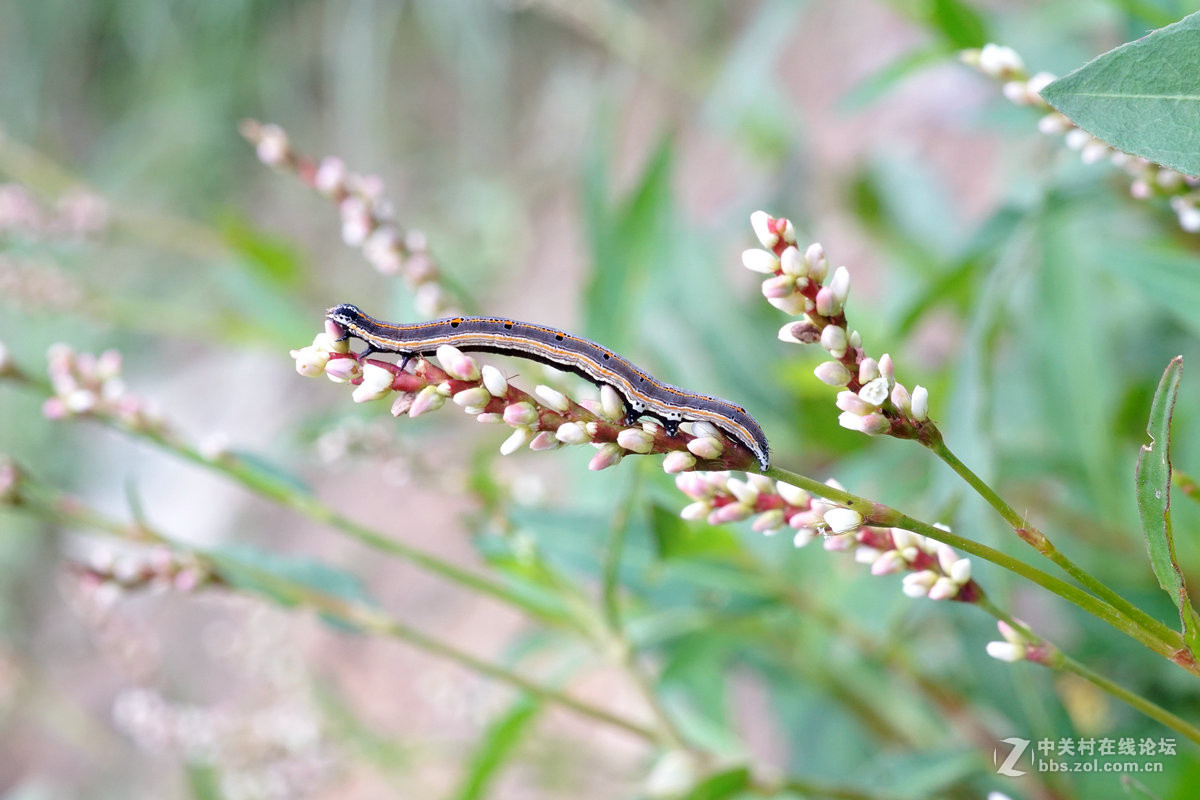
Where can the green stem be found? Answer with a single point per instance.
(287, 495)
(1043, 545)
(885, 516)
(1061, 661)
(49, 503)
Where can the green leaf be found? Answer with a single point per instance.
(678, 538)
(960, 23)
(1153, 481)
(498, 743)
(1143, 97)
(628, 240)
(285, 579)
(726, 783)
(272, 258)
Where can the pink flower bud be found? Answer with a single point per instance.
(851, 403)
(473, 399)
(428, 399)
(457, 364)
(833, 373)
(635, 440)
(678, 461)
(778, 286)
(544, 441)
(342, 370)
(605, 457)
(707, 447)
(522, 413)
(768, 522)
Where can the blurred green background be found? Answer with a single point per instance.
(590, 165)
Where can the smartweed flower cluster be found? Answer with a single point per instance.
(545, 420)
(1149, 180)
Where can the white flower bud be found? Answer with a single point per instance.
(760, 221)
(1006, 651)
(474, 398)
(572, 433)
(494, 381)
(552, 397)
(376, 382)
(918, 584)
(850, 402)
(694, 511)
(833, 373)
(875, 392)
(606, 456)
(920, 403)
(943, 589)
(707, 447)
(960, 571)
(792, 495)
(792, 264)
(743, 491)
(763, 261)
(842, 520)
(611, 404)
(515, 441)
(834, 340)
(636, 440)
(678, 461)
(768, 522)
(1054, 123)
(815, 262)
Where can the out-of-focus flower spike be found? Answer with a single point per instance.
(792, 495)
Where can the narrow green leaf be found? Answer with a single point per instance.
(1143, 97)
(497, 746)
(1153, 479)
(272, 258)
(285, 579)
(627, 239)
